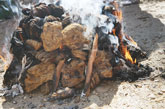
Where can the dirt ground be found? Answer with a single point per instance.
(145, 22)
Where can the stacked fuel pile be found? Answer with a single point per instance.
(50, 52)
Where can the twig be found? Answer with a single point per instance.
(24, 66)
(57, 74)
(90, 65)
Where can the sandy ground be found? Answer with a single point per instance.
(146, 24)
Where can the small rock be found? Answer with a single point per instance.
(160, 93)
(24, 97)
(163, 90)
(163, 75)
(14, 102)
(152, 96)
(72, 107)
(138, 86)
(42, 105)
(126, 94)
(60, 102)
(31, 106)
(156, 80)
(77, 99)
(161, 52)
(161, 69)
(163, 62)
(45, 99)
(30, 96)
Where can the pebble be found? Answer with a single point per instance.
(160, 93)
(77, 99)
(14, 102)
(24, 97)
(163, 62)
(156, 80)
(163, 90)
(126, 94)
(60, 102)
(161, 52)
(31, 106)
(42, 105)
(72, 107)
(45, 99)
(161, 69)
(138, 85)
(152, 96)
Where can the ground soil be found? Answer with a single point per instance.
(145, 22)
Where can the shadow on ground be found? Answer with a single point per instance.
(147, 31)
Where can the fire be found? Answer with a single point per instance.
(61, 47)
(4, 60)
(117, 12)
(131, 40)
(127, 54)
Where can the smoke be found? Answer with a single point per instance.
(8, 28)
(86, 12)
(89, 12)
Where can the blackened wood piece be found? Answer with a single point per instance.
(131, 74)
(41, 10)
(32, 27)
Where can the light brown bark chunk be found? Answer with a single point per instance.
(37, 75)
(52, 36)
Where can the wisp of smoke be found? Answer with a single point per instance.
(89, 12)
(86, 12)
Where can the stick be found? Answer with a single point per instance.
(25, 65)
(90, 65)
(57, 75)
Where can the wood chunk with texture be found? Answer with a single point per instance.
(102, 64)
(79, 54)
(38, 74)
(73, 73)
(73, 36)
(52, 36)
(35, 44)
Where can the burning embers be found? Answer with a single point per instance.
(51, 52)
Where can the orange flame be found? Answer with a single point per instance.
(61, 46)
(131, 40)
(4, 60)
(117, 12)
(127, 54)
